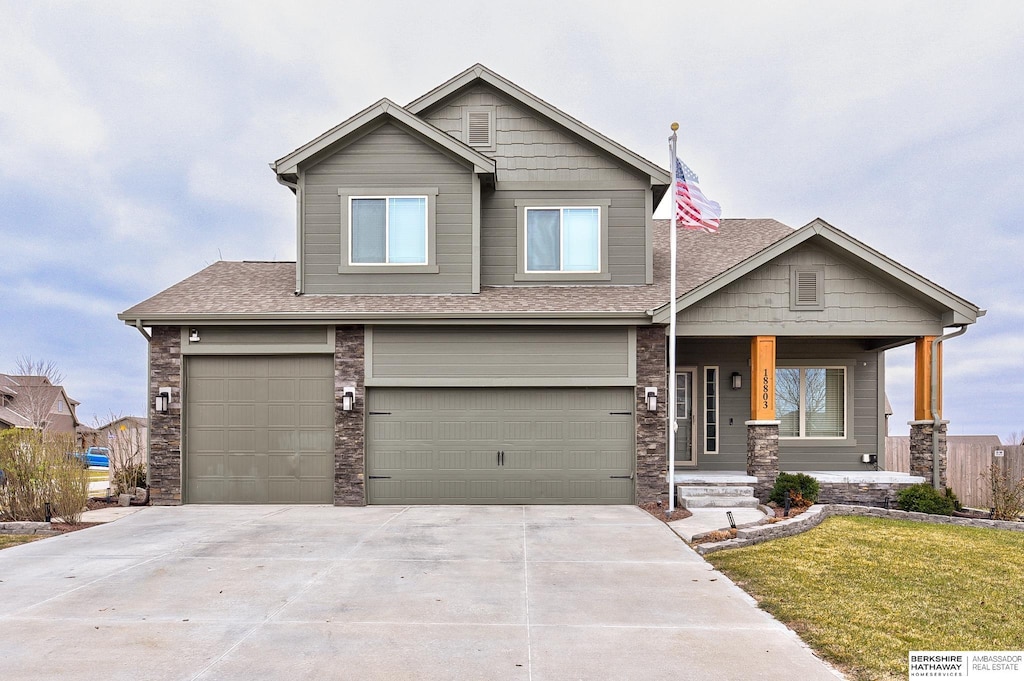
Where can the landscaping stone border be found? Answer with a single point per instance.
(25, 527)
(815, 514)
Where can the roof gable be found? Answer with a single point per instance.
(478, 72)
(385, 109)
(956, 310)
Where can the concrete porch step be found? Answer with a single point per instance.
(714, 490)
(718, 502)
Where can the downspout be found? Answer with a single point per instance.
(298, 225)
(936, 417)
(149, 387)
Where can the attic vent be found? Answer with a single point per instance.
(806, 289)
(479, 128)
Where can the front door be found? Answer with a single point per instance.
(684, 417)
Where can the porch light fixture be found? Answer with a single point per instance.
(737, 380)
(651, 398)
(162, 402)
(193, 335)
(871, 459)
(348, 397)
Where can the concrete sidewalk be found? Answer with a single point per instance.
(530, 593)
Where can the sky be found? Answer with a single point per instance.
(135, 140)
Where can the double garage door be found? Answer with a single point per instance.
(261, 430)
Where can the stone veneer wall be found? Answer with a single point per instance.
(921, 450)
(165, 429)
(763, 456)
(349, 426)
(877, 494)
(651, 428)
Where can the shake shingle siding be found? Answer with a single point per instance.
(388, 157)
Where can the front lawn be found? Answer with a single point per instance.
(9, 540)
(863, 592)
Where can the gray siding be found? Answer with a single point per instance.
(734, 355)
(388, 157)
(500, 356)
(627, 249)
(529, 148)
(854, 302)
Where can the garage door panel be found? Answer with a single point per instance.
(557, 445)
(259, 429)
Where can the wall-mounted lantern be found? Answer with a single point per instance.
(737, 380)
(348, 397)
(651, 398)
(193, 335)
(162, 402)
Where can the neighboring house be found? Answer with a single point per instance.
(126, 438)
(479, 311)
(34, 402)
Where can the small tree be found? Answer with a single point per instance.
(38, 471)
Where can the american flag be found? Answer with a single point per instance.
(694, 210)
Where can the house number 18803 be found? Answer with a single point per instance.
(765, 389)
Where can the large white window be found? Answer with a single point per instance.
(563, 239)
(810, 402)
(388, 230)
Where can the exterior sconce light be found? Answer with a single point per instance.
(348, 397)
(193, 335)
(871, 459)
(737, 380)
(162, 402)
(651, 398)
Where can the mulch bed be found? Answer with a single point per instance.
(657, 509)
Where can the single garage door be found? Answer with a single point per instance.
(500, 446)
(259, 430)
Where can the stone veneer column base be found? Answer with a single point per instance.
(763, 455)
(921, 450)
(165, 429)
(651, 427)
(349, 426)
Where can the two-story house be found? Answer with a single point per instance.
(478, 314)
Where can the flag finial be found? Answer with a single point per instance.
(674, 126)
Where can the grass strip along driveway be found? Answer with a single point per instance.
(863, 592)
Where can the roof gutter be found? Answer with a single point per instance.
(936, 416)
(294, 186)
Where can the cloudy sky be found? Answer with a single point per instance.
(135, 137)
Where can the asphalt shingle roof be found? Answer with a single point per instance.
(267, 288)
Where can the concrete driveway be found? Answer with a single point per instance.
(275, 592)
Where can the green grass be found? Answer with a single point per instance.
(863, 592)
(9, 540)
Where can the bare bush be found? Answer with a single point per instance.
(38, 469)
(1007, 493)
(127, 444)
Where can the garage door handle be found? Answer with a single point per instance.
(621, 413)
(380, 477)
(621, 477)
(501, 458)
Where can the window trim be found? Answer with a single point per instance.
(522, 274)
(346, 194)
(847, 437)
(715, 409)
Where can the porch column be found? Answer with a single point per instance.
(923, 425)
(762, 428)
(651, 427)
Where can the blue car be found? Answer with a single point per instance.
(94, 457)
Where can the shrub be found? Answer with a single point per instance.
(37, 470)
(129, 476)
(802, 488)
(923, 498)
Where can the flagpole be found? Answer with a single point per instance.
(672, 329)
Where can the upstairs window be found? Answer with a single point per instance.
(388, 230)
(563, 239)
(810, 402)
